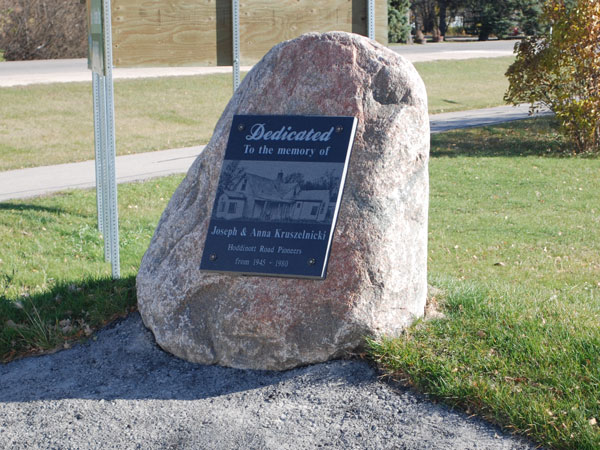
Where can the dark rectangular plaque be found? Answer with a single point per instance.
(278, 195)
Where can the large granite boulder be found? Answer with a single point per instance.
(376, 283)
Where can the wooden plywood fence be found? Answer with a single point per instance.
(199, 32)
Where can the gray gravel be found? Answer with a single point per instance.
(121, 391)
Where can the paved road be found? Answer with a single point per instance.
(455, 50)
(481, 117)
(22, 73)
(24, 183)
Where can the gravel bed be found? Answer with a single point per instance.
(119, 390)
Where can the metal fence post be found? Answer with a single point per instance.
(111, 180)
(102, 182)
(96, 86)
(235, 17)
(371, 19)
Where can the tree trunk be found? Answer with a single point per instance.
(419, 36)
(443, 8)
(409, 40)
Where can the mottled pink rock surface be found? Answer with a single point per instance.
(377, 275)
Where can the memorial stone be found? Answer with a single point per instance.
(375, 281)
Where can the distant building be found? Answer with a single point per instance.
(260, 198)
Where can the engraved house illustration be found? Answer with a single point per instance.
(266, 199)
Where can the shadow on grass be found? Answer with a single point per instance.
(28, 207)
(531, 137)
(41, 322)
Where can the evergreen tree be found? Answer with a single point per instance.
(503, 17)
(398, 21)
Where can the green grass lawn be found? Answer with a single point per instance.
(513, 252)
(514, 249)
(52, 264)
(465, 84)
(52, 124)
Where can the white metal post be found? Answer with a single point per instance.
(102, 182)
(96, 86)
(109, 148)
(235, 19)
(371, 19)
